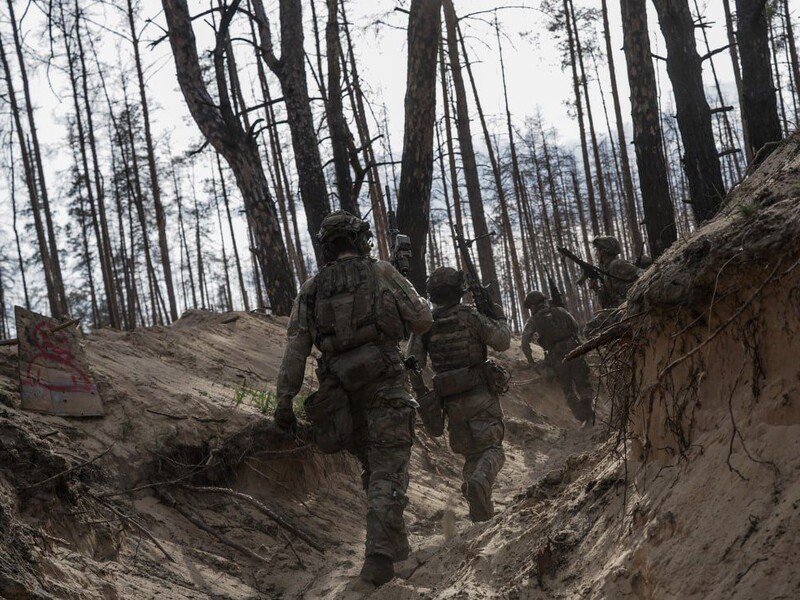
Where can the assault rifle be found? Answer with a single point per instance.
(399, 244)
(556, 297)
(480, 293)
(589, 271)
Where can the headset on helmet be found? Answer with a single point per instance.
(340, 224)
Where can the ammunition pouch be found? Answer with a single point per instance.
(497, 378)
(431, 411)
(364, 364)
(457, 381)
(328, 410)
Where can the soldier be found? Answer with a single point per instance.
(612, 289)
(355, 311)
(456, 345)
(557, 333)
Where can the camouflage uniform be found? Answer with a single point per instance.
(357, 309)
(613, 287)
(457, 346)
(557, 333)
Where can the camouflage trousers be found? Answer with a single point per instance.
(475, 429)
(574, 378)
(383, 420)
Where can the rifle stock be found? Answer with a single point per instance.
(588, 270)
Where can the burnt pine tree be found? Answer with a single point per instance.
(759, 106)
(290, 69)
(416, 173)
(625, 167)
(161, 224)
(223, 130)
(684, 66)
(659, 214)
(337, 125)
(471, 177)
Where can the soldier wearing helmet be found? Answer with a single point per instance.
(355, 311)
(557, 332)
(464, 383)
(619, 275)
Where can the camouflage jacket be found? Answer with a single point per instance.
(303, 335)
(614, 289)
(489, 332)
(551, 325)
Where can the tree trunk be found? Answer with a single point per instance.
(627, 179)
(794, 63)
(33, 192)
(700, 161)
(336, 123)
(605, 209)
(471, 177)
(12, 184)
(659, 216)
(161, 225)
(737, 76)
(223, 131)
(376, 192)
(236, 258)
(416, 174)
(290, 70)
(37, 171)
(778, 84)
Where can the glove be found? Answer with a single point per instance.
(285, 418)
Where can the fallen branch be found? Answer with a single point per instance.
(64, 325)
(279, 520)
(70, 470)
(170, 501)
(135, 523)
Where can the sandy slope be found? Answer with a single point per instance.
(169, 395)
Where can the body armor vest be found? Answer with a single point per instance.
(349, 310)
(615, 290)
(452, 341)
(553, 327)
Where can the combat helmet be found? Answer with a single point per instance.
(446, 285)
(534, 299)
(608, 244)
(342, 224)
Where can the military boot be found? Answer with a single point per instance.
(479, 497)
(377, 570)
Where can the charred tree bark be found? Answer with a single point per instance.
(659, 215)
(37, 174)
(12, 184)
(759, 106)
(223, 131)
(416, 174)
(30, 182)
(337, 126)
(471, 177)
(759, 103)
(163, 242)
(737, 75)
(237, 260)
(700, 161)
(290, 70)
(625, 167)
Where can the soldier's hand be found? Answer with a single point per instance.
(285, 418)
